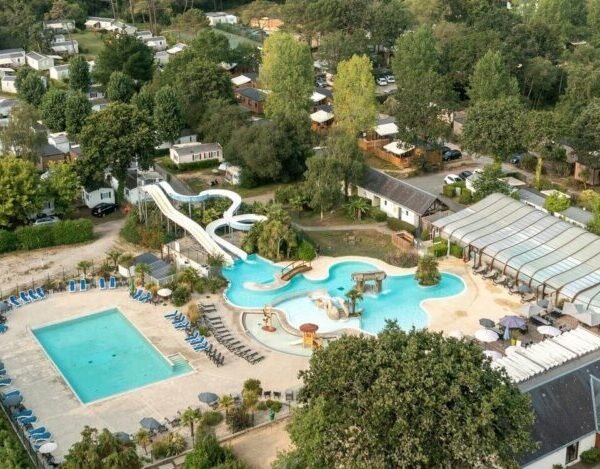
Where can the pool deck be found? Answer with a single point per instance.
(58, 409)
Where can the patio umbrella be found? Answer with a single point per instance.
(486, 322)
(122, 437)
(208, 398)
(548, 330)
(588, 317)
(493, 354)
(48, 447)
(531, 309)
(456, 334)
(4, 306)
(485, 335)
(150, 423)
(512, 322)
(543, 303)
(13, 400)
(510, 350)
(165, 292)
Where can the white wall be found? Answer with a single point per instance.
(9, 87)
(91, 199)
(59, 74)
(559, 457)
(392, 209)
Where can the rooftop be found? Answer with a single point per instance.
(253, 94)
(536, 199)
(36, 55)
(194, 147)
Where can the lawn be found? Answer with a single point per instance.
(332, 218)
(378, 163)
(90, 43)
(368, 243)
(197, 182)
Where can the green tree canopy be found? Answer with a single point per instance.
(491, 79)
(354, 96)
(427, 271)
(53, 109)
(120, 87)
(77, 109)
(125, 54)
(30, 87)
(113, 138)
(20, 190)
(337, 46)
(417, 399)
(79, 74)
(190, 21)
(489, 182)
(168, 119)
(22, 134)
(342, 148)
(221, 119)
(62, 184)
(323, 177)
(144, 100)
(586, 130)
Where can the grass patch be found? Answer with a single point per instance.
(84, 212)
(90, 43)
(378, 163)
(333, 218)
(368, 243)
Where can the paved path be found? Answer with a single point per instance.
(258, 449)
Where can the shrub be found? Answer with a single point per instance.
(529, 162)
(238, 419)
(306, 251)
(73, 231)
(160, 449)
(588, 199)
(466, 197)
(449, 190)
(34, 237)
(262, 405)
(456, 251)
(181, 295)
(400, 225)
(275, 406)
(212, 418)
(427, 271)
(378, 214)
(591, 456)
(425, 235)
(8, 241)
(204, 330)
(440, 249)
(130, 232)
(167, 163)
(556, 202)
(406, 259)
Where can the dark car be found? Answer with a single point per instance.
(516, 159)
(445, 149)
(451, 155)
(103, 209)
(464, 175)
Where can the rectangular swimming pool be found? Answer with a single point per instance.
(103, 354)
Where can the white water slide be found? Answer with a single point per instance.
(208, 239)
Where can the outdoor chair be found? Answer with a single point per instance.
(277, 395)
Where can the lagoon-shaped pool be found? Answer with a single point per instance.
(399, 300)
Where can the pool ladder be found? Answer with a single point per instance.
(178, 361)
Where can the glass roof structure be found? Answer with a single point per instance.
(532, 247)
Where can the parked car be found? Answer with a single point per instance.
(391, 79)
(452, 178)
(517, 159)
(381, 81)
(320, 82)
(445, 149)
(464, 175)
(451, 155)
(103, 209)
(46, 220)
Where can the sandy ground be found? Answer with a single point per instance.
(258, 449)
(37, 264)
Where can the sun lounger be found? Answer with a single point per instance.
(490, 275)
(198, 341)
(480, 270)
(528, 297)
(3, 328)
(24, 297)
(36, 437)
(2, 372)
(500, 280)
(72, 286)
(13, 301)
(82, 285)
(137, 294)
(32, 295)
(179, 318)
(102, 283)
(201, 347)
(171, 315)
(23, 413)
(5, 382)
(40, 292)
(37, 431)
(5, 395)
(182, 325)
(112, 282)
(27, 420)
(145, 298)
(194, 336)
(257, 359)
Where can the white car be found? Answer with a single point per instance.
(382, 81)
(452, 178)
(390, 79)
(46, 220)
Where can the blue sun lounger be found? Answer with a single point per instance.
(180, 317)
(40, 436)
(145, 298)
(137, 294)
(6, 395)
(82, 285)
(72, 286)
(3, 328)
(40, 292)
(37, 431)
(32, 295)
(199, 348)
(5, 382)
(112, 282)
(171, 315)
(27, 420)
(192, 337)
(13, 301)
(23, 413)
(24, 297)
(182, 325)
(199, 341)
(102, 283)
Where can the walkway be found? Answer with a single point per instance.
(258, 448)
(381, 227)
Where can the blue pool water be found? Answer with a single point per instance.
(104, 354)
(400, 298)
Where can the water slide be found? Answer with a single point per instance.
(208, 239)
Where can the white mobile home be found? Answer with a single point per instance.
(59, 25)
(95, 197)
(59, 72)
(194, 152)
(39, 61)
(218, 17)
(12, 58)
(157, 43)
(9, 84)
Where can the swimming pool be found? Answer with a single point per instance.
(103, 354)
(400, 298)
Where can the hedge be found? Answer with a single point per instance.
(378, 214)
(168, 163)
(441, 249)
(8, 241)
(399, 225)
(42, 236)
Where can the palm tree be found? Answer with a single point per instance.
(190, 276)
(357, 207)
(152, 288)
(354, 296)
(427, 271)
(226, 402)
(215, 263)
(297, 203)
(250, 400)
(114, 256)
(194, 314)
(84, 266)
(142, 438)
(142, 269)
(190, 417)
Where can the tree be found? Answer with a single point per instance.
(586, 130)
(354, 296)
(125, 54)
(62, 184)
(52, 109)
(77, 109)
(357, 207)
(141, 270)
(144, 100)
(226, 403)
(569, 16)
(98, 450)
(120, 87)
(20, 190)
(287, 71)
(342, 148)
(208, 454)
(210, 46)
(491, 79)
(489, 182)
(190, 276)
(427, 271)
(593, 225)
(557, 202)
(324, 178)
(168, 119)
(114, 256)
(354, 96)
(190, 21)
(22, 136)
(143, 438)
(338, 46)
(220, 120)
(84, 266)
(494, 127)
(274, 238)
(191, 417)
(79, 74)
(411, 404)
(113, 138)
(30, 87)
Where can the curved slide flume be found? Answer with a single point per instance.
(208, 239)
